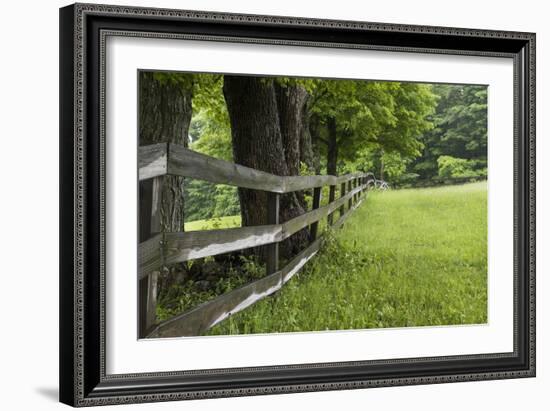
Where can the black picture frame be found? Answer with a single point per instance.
(83, 381)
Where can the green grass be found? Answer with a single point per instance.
(214, 223)
(414, 257)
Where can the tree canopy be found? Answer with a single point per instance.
(403, 132)
(460, 130)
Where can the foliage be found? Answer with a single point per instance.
(451, 167)
(210, 130)
(195, 291)
(379, 123)
(183, 80)
(227, 201)
(396, 130)
(421, 262)
(210, 137)
(394, 164)
(205, 200)
(460, 128)
(210, 134)
(383, 115)
(413, 104)
(365, 160)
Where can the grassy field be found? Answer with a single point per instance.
(214, 223)
(412, 257)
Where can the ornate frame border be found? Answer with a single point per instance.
(83, 381)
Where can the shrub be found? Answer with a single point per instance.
(453, 167)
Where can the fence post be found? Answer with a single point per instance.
(350, 187)
(355, 185)
(315, 205)
(342, 194)
(150, 192)
(331, 195)
(272, 257)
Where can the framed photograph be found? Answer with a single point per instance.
(262, 204)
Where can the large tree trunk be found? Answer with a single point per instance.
(165, 112)
(257, 143)
(291, 100)
(164, 116)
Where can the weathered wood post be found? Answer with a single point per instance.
(350, 187)
(315, 206)
(272, 257)
(342, 194)
(150, 192)
(355, 185)
(331, 195)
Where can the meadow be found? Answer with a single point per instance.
(404, 258)
(214, 223)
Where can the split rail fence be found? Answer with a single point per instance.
(158, 249)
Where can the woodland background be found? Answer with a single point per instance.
(408, 134)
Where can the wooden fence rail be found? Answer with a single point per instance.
(158, 249)
(167, 158)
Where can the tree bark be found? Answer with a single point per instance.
(165, 112)
(291, 100)
(258, 143)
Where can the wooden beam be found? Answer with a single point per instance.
(342, 193)
(331, 197)
(296, 183)
(175, 159)
(300, 260)
(149, 256)
(150, 252)
(315, 205)
(188, 163)
(152, 160)
(297, 223)
(156, 201)
(184, 246)
(150, 246)
(272, 257)
(158, 248)
(350, 201)
(199, 319)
